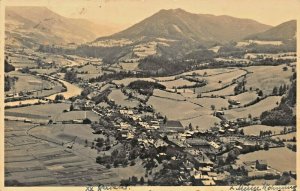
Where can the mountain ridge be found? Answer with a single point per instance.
(40, 25)
(179, 24)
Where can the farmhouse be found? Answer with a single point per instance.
(261, 165)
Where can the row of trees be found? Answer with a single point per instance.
(281, 90)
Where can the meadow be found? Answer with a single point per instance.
(266, 78)
(255, 110)
(285, 161)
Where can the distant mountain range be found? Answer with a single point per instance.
(177, 24)
(172, 34)
(38, 25)
(282, 32)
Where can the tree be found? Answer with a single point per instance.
(260, 93)
(242, 131)
(190, 127)
(266, 146)
(71, 76)
(142, 181)
(249, 116)
(59, 97)
(275, 90)
(71, 107)
(87, 121)
(100, 142)
(8, 67)
(281, 92)
(165, 120)
(213, 107)
(134, 180)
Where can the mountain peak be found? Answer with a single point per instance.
(178, 24)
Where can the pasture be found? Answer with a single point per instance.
(208, 102)
(204, 122)
(177, 110)
(255, 129)
(267, 77)
(245, 97)
(177, 83)
(223, 92)
(127, 81)
(281, 159)
(255, 110)
(121, 99)
(44, 111)
(170, 95)
(220, 80)
(27, 82)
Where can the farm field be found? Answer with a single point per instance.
(245, 97)
(223, 92)
(129, 66)
(255, 110)
(63, 133)
(208, 72)
(127, 81)
(21, 61)
(208, 102)
(255, 129)
(285, 161)
(27, 82)
(220, 80)
(204, 122)
(177, 83)
(44, 71)
(266, 81)
(44, 111)
(78, 115)
(89, 69)
(24, 102)
(211, 72)
(121, 99)
(170, 108)
(30, 161)
(165, 94)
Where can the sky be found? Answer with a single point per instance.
(124, 13)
